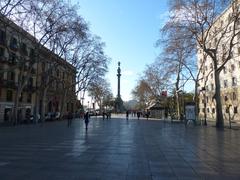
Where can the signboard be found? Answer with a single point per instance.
(190, 112)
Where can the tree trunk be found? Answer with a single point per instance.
(217, 96)
(177, 96)
(15, 106)
(196, 100)
(63, 100)
(44, 93)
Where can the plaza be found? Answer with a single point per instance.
(118, 149)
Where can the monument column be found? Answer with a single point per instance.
(118, 102)
(119, 76)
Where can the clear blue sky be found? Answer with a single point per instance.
(130, 29)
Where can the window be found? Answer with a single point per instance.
(229, 18)
(21, 98)
(238, 50)
(234, 96)
(227, 109)
(207, 88)
(30, 82)
(10, 76)
(63, 75)
(224, 70)
(211, 75)
(225, 83)
(225, 98)
(208, 110)
(2, 52)
(2, 37)
(232, 67)
(67, 106)
(212, 87)
(215, 41)
(213, 110)
(235, 109)
(24, 49)
(211, 66)
(9, 95)
(207, 99)
(230, 28)
(32, 55)
(1, 75)
(12, 58)
(206, 68)
(13, 44)
(29, 98)
(234, 81)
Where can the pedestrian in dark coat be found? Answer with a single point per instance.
(70, 117)
(127, 114)
(138, 115)
(86, 119)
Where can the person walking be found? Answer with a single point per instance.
(70, 117)
(86, 119)
(147, 114)
(138, 115)
(127, 114)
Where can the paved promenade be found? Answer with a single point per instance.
(118, 149)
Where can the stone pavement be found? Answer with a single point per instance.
(118, 149)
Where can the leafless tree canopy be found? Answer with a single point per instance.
(55, 26)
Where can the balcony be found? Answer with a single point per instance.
(30, 88)
(8, 84)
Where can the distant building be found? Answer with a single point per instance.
(17, 52)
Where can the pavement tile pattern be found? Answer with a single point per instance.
(118, 149)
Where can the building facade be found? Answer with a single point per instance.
(29, 72)
(230, 74)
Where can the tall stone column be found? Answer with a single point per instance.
(118, 102)
(119, 76)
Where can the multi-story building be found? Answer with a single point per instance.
(20, 67)
(229, 76)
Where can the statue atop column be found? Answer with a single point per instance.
(119, 103)
(119, 76)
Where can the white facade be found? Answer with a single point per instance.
(229, 76)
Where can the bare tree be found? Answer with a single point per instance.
(100, 90)
(156, 78)
(214, 37)
(143, 94)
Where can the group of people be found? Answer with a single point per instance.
(107, 114)
(139, 113)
